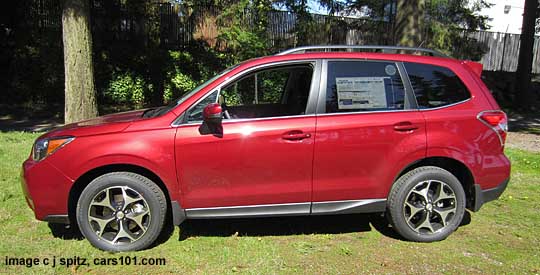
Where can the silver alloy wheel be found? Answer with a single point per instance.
(119, 215)
(429, 206)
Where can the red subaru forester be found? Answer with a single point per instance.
(310, 131)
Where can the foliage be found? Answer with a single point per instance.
(444, 23)
(127, 88)
(132, 38)
(32, 68)
(186, 69)
(240, 38)
(446, 20)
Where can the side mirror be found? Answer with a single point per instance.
(212, 116)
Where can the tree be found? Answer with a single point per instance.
(446, 22)
(525, 59)
(436, 24)
(410, 23)
(80, 95)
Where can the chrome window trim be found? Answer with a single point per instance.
(450, 69)
(236, 120)
(321, 108)
(445, 106)
(395, 111)
(316, 74)
(367, 112)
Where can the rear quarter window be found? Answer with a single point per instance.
(435, 86)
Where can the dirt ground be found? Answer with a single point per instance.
(523, 141)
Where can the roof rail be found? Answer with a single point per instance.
(356, 48)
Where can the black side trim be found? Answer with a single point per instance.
(179, 215)
(348, 207)
(63, 219)
(287, 209)
(483, 196)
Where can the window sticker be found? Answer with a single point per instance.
(361, 92)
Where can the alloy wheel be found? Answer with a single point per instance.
(430, 206)
(119, 215)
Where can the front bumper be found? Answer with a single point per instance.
(483, 196)
(46, 190)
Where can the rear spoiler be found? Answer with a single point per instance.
(474, 66)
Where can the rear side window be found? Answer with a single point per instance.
(435, 86)
(355, 86)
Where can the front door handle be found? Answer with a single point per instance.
(295, 135)
(405, 126)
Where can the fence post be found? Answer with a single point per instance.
(504, 49)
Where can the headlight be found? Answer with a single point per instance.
(47, 146)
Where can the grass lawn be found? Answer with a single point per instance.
(502, 238)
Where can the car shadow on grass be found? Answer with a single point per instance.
(282, 226)
(65, 231)
(258, 227)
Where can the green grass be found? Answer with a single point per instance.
(501, 238)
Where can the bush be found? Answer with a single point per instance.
(178, 84)
(184, 73)
(126, 88)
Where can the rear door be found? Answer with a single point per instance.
(263, 163)
(368, 129)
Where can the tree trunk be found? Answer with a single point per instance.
(80, 95)
(409, 23)
(523, 73)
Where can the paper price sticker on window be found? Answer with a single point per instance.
(361, 92)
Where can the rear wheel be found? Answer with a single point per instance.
(426, 204)
(121, 211)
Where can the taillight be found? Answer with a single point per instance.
(497, 121)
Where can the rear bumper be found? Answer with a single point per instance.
(483, 196)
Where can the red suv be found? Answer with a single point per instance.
(311, 131)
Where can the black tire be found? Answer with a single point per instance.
(409, 221)
(146, 198)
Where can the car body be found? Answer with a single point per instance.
(333, 154)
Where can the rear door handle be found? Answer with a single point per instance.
(295, 135)
(405, 126)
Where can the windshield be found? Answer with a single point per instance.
(164, 109)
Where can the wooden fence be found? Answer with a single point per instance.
(502, 50)
(177, 30)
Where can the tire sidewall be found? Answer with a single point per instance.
(406, 183)
(137, 183)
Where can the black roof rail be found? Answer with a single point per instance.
(355, 48)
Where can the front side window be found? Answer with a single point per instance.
(435, 86)
(273, 92)
(195, 113)
(355, 86)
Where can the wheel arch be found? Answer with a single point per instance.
(454, 166)
(81, 182)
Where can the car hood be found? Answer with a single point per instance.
(99, 125)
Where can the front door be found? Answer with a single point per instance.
(264, 158)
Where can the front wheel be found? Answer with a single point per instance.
(426, 204)
(121, 211)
